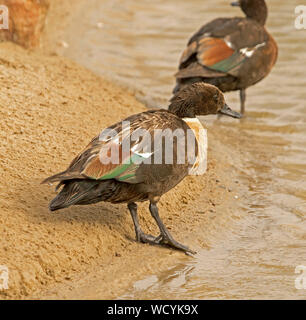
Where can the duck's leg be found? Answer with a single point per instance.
(242, 100)
(165, 236)
(140, 235)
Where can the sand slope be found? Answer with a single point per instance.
(48, 114)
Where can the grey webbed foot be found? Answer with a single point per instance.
(146, 238)
(169, 241)
(140, 235)
(165, 236)
(164, 240)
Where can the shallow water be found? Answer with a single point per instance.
(138, 43)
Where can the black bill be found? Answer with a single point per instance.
(235, 4)
(226, 110)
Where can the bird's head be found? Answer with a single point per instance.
(253, 9)
(200, 99)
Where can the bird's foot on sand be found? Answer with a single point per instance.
(169, 241)
(163, 240)
(146, 238)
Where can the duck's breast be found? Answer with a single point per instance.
(199, 166)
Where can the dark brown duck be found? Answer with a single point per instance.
(92, 178)
(230, 53)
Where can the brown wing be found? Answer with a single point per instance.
(222, 47)
(107, 157)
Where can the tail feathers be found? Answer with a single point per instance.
(81, 192)
(62, 176)
(59, 202)
(72, 193)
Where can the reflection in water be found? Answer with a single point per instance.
(138, 43)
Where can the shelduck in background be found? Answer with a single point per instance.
(230, 53)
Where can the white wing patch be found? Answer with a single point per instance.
(137, 148)
(229, 44)
(248, 52)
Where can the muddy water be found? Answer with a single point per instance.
(138, 44)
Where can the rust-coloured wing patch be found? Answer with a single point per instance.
(112, 163)
(213, 50)
(96, 169)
